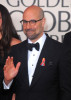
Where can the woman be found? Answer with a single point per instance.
(8, 38)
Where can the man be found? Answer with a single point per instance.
(36, 75)
(66, 65)
(67, 38)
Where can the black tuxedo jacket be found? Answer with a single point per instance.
(66, 66)
(46, 82)
(67, 38)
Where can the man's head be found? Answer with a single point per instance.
(33, 22)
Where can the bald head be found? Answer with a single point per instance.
(33, 22)
(34, 10)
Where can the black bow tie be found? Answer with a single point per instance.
(31, 45)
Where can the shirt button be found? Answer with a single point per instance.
(33, 54)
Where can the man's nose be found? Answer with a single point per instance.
(27, 25)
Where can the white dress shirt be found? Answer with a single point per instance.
(33, 57)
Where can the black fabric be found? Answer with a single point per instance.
(4, 94)
(45, 84)
(31, 45)
(67, 39)
(51, 81)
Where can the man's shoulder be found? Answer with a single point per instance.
(53, 44)
(53, 41)
(54, 47)
(23, 43)
(19, 47)
(56, 44)
(68, 34)
(67, 38)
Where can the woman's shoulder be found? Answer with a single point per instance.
(15, 41)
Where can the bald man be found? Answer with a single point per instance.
(36, 75)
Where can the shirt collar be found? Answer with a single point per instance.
(40, 41)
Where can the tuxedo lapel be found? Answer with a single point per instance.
(24, 66)
(39, 68)
(46, 53)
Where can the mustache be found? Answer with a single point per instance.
(27, 30)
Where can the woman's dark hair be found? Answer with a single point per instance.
(8, 30)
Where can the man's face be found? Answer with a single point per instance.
(33, 30)
(0, 22)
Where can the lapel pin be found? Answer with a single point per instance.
(43, 62)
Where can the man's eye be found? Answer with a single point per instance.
(24, 21)
(33, 21)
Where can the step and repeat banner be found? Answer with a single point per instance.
(57, 13)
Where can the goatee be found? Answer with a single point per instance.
(0, 30)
